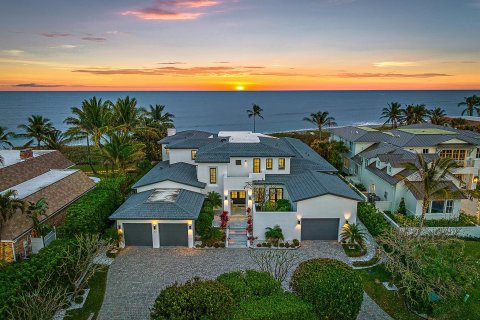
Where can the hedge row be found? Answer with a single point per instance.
(90, 213)
(22, 276)
(372, 218)
(250, 284)
(205, 219)
(79, 154)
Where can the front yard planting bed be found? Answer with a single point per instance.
(353, 251)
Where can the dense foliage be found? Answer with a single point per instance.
(285, 306)
(23, 276)
(372, 219)
(196, 299)
(78, 154)
(250, 283)
(90, 213)
(331, 286)
(205, 219)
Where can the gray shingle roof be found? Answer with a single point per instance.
(359, 134)
(178, 172)
(185, 135)
(186, 205)
(310, 184)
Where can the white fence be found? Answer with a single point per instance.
(42, 242)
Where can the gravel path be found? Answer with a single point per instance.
(138, 274)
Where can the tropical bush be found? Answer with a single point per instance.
(214, 198)
(196, 299)
(274, 235)
(250, 283)
(372, 219)
(284, 306)
(90, 213)
(79, 154)
(212, 236)
(331, 286)
(352, 234)
(402, 208)
(283, 205)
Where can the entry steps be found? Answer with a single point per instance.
(237, 235)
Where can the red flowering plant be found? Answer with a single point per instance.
(249, 211)
(250, 228)
(224, 219)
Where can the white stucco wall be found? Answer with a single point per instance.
(169, 185)
(181, 155)
(155, 233)
(245, 169)
(286, 220)
(203, 175)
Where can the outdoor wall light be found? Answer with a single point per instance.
(226, 197)
(475, 179)
(249, 197)
(119, 226)
(189, 227)
(154, 227)
(299, 221)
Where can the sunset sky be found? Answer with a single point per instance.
(239, 44)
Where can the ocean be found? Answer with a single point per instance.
(226, 110)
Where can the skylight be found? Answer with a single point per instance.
(164, 195)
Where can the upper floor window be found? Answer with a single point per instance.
(213, 175)
(425, 151)
(275, 194)
(269, 164)
(194, 154)
(478, 153)
(256, 165)
(281, 164)
(454, 154)
(238, 162)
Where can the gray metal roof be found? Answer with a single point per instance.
(382, 174)
(184, 205)
(184, 135)
(311, 184)
(416, 188)
(178, 172)
(360, 134)
(193, 143)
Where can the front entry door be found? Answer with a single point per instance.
(238, 202)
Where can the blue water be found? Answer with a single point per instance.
(226, 110)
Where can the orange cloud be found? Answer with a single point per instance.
(172, 10)
(392, 75)
(166, 71)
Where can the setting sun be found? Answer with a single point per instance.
(240, 88)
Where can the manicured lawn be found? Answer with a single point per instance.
(95, 298)
(353, 252)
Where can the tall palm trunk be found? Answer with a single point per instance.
(90, 156)
(253, 123)
(425, 205)
(320, 131)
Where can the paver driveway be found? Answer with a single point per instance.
(138, 274)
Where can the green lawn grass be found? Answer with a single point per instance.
(94, 301)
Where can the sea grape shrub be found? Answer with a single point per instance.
(250, 283)
(332, 287)
(196, 299)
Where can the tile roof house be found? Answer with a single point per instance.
(35, 175)
(247, 170)
(380, 165)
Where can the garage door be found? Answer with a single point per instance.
(320, 229)
(173, 234)
(138, 234)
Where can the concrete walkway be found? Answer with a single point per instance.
(138, 275)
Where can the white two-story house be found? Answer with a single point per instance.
(380, 165)
(248, 170)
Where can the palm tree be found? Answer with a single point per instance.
(37, 210)
(393, 114)
(120, 151)
(256, 111)
(155, 114)
(37, 128)
(331, 150)
(432, 178)
(320, 119)
(126, 115)
(437, 116)
(274, 235)
(472, 103)
(57, 140)
(214, 198)
(352, 234)
(415, 114)
(90, 121)
(9, 205)
(5, 137)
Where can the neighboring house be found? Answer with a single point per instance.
(377, 160)
(35, 175)
(245, 168)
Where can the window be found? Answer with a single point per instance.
(275, 194)
(281, 164)
(269, 164)
(213, 175)
(194, 154)
(478, 153)
(455, 154)
(449, 206)
(256, 165)
(385, 195)
(346, 163)
(259, 195)
(437, 206)
(425, 150)
(238, 162)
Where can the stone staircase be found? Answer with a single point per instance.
(237, 237)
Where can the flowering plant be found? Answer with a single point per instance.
(224, 219)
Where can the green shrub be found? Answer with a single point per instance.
(283, 205)
(212, 236)
(274, 235)
(79, 154)
(90, 213)
(372, 218)
(331, 286)
(402, 208)
(203, 223)
(196, 299)
(285, 306)
(20, 276)
(250, 283)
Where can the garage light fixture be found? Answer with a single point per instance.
(189, 227)
(299, 221)
(226, 197)
(475, 180)
(154, 227)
